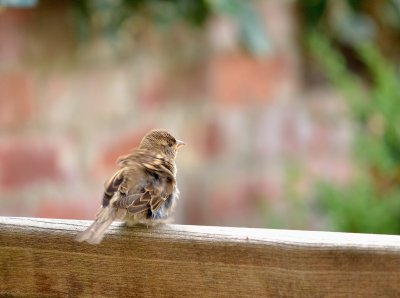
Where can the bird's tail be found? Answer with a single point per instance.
(95, 232)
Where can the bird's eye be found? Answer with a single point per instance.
(170, 144)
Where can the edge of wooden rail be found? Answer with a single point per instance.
(279, 237)
(40, 257)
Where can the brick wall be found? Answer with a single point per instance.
(69, 109)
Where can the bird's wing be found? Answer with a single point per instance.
(154, 194)
(160, 181)
(138, 203)
(111, 186)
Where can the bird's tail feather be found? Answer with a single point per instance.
(95, 232)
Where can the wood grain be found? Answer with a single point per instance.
(39, 258)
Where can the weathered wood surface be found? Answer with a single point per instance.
(38, 257)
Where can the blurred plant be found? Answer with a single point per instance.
(17, 3)
(351, 23)
(291, 209)
(131, 17)
(370, 203)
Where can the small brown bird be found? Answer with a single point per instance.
(144, 190)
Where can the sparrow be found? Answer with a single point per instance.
(143, 190)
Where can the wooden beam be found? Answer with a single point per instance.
(39, 257)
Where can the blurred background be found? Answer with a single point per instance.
(290, 109)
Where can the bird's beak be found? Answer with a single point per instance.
(179, 144)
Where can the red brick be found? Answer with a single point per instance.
(330, 168)
(67, 209)
(320, 140)
(24, 162)
(12, 27)
(153, 92)
(16, 100)
(226, 200)
(241, 78)
(193, 214)
(189, 84)
(15, 206)
(213, 139)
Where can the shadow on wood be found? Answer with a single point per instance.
(39, 257)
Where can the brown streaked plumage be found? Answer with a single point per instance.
(143, 190)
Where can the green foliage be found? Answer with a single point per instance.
(371, 203)
(250, 28)
(110, 18)
(352, 22)
(359, 208)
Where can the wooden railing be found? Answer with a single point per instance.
(39, 257)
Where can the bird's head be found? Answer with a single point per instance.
(161, 141)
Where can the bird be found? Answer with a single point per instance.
(144, 189)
